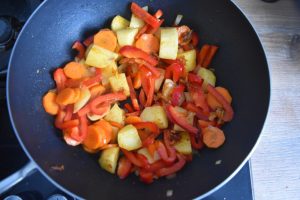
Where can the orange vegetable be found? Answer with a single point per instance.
(89, 150)
(105, 125)
(213, 137)
(74, 70)
(105, 38)
(137, 81)
(77, 95)
(97, 90)
(148, 43)
(107, 146)
(66, 96)
(132, 119)
(212, 101)
(116, 124)
(152, 148)
(96, 137)
(212, 51)
(49, 103)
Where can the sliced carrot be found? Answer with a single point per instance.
(212, 101)
(107, 146)
(49, 103)
(77, 95)
(96, 137)
(90, 150)
(74, 70)
(105, 125)
(148, 43)
(213, 137)
(65, 97)
(105, 38)
(116, 124)
(132, 119)
(97, 90)
(70, 124)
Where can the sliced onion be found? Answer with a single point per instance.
(178, 20)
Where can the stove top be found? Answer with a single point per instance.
(13, 14)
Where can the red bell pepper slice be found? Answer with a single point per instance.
(80, 48)
(88, 41)
(212, 51)
(142, 97)
(199, 113)
(111, 97)
(124, 167)
(133, 159)
(156, 166)
(196, 141)
(150, 93)
(69, 112)
(70, 124)
(173, 168)
(195, 39)
(163, 153)
(128, 107)
(101, 109)
(199, 98)
(181, 121)
(219, 97)
(67, 136)
(93, 80)
(194, 79)
(147, 125)
(81, 135)
(144, 15)
(152, 30)
(176, 70)
(177, 95)
(133, 52)
(59, 78)
(136, 113)
(146, 176)
(59, 119)
(134, 100)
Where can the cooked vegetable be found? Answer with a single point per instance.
(170, 105)
(128, 138)
(97, 56)
(168, 43)
(155, 114)
(109, 159)
(116, 114)
(119, 23)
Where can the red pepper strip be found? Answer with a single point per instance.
(199, 113)
(136, 113)
(169, 61)
(227, 107)
(59, 78)
(134, 100)
(69, 112)
(133, 159)
(152, 30)
(78, 46)
(176, 70)
(111, 97)
(177, 95)
(194, 79)
(202, 54)
(181, 121)
(156, 166)
(128, 107)
(167, 142)
(195, 39)
(151, 69)
(188, 47)
(133, 52)
(137, 81)
(188, 157)
(88, 41)
(101, 109)
(173, 168)
(142, 97)
(204, 123)
(162, 151)
(142, 31)
(196, 141)
(124, 167)
(147, 125)
(144, 15)
(143, 159)
(208, 58)
(150, 93)
(59, 119)
(82, 130)
(93, 80)
(67, 136)
(83, 111)
(70, 124)
(198, 98)
(159, 13)
(146, 176)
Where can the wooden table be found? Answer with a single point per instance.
(276, 161)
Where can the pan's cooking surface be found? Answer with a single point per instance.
(44, 44)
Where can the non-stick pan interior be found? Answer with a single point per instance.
(45, 44)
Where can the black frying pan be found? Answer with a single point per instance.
(44, 44)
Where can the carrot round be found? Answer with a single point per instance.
(148, 43)
(65, 97)
(74, 70)
(96, 137)
(89, 150)
(213, 137)
(116, 124)
(97, 90)
(105, 38)
(77, 95)
(105, 125)
(212, 101)
(132, 119)
(49, 103)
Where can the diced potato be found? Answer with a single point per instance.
(108, 72)
(187, 96)
(190, 59)
(99, 57)
(119, 22)
(118, 83)
(168, 43)
(136, 22)
(184, 144)
(208, 76)
(109, 159)
(116, 114)
(85, 96)
(145, 152)
(126, 36)
(168, 87)
(159, 81)
(189, 117)
(155, 114)
(128, 138)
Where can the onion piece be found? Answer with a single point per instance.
(178, 20)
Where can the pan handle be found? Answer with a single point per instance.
(16, 177)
